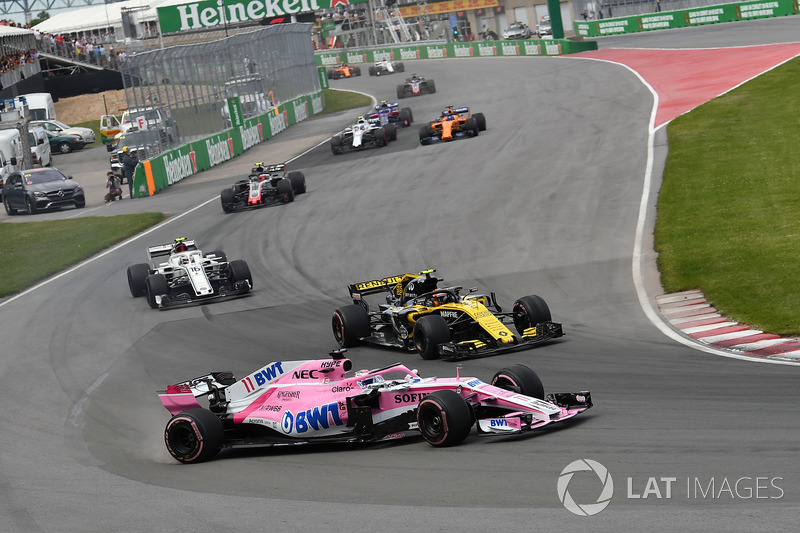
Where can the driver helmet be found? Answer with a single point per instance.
(179, 247)
(438, 299)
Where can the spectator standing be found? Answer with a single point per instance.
(129, 162)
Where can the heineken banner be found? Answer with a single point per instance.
(212, 13)
(688, 17)
(530, 47)
(174, 165)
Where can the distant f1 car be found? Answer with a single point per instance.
(188, 275)
(300, 402)
(266, 185)
(386, 113)
(415, 86)
(386, 67)
(343, 70)
(363, 134)
(454, 123)
(439, 321)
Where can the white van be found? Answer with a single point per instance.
(40, 147)
(40, 105)
(10, 154)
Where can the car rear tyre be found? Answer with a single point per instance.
(425, 132)
(400, 67)
(350, 324)
(431, 86)
(336, 144)
(137, 274)
(529, 311)
(156, 286)
(480, 118)
(429, 332)
(9, 210)
(405, 117)
(227, 199)
(240, 271)
(521, 379)
(472, 126)
(401, 91)
(372, 71)
(194, 435)
(380, 137)
(64, 148)
(356, 71)
(444, 418)
(298, 180)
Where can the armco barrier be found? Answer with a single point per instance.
(174, 165)
(687, 17)
(528, 47)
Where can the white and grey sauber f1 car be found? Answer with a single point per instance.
(363, 134)
(188, 275)
(320, 401)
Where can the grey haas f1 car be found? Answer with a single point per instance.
(266, 185)
(415, 86)
(320, 401)
(361, 135)
(434, 321)
(188, 275)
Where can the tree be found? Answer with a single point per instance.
(41, 17)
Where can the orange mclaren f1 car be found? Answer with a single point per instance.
(454, 123)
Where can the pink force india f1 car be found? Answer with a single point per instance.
(320, 401)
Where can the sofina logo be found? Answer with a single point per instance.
(585, 465)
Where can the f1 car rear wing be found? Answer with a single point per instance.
(392, 284)
(384, 106)
(455, 111)
(274, 168)
(182, 396)
(166, 249)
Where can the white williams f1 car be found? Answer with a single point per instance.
(187, 276)
(363, 134)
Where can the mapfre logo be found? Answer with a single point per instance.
(586, 509)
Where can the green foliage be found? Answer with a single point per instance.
(336, 100)
(33, 251)
(728, 209)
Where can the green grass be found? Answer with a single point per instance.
(336, 100)
(33, 251)
(729, 208)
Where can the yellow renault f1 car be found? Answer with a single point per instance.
(440, 321)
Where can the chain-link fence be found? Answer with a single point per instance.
(181, 91)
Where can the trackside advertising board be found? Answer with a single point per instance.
(211, 13)
(530, 47)
(174, 165)
(687, 17)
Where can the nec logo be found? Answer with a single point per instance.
(498, 423)
(305, 374)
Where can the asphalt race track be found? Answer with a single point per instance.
(545, 201)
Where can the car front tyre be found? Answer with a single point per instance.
(520, 379)
(429, 332)
(156, 285)
(137, 274)
(30, 205)
(529, 311)
(444, 418)
(240, 271)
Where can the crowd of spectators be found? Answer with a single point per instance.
(96, 48)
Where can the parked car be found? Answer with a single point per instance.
(58, 127)
(64, 144)
(40, 147)
(544, 27)
(40, 189)
(517, 30)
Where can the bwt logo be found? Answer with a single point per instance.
(587, 509)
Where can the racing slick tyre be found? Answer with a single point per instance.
(480, 118)
(239, 271)
(10, 210)
(391, 132)
(336, 145)
(227, 198)
(429, 332)
(400, 67)
(521, 379)
(298, 180)
(529, 311)
(137, 274)
(330, 74)
(156, 286)
(194, 435)
(471, 126)
(381, 138)
(221, 256)
(372, 71)
(444, 418)
(431, 87)
(425, 132)
(401, 91)
(405, 117)
(285, 190)
(350, 323)
(356, 71)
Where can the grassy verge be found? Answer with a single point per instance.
(33, 251)
(729, 210)
(336, 101)
(93, 125)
